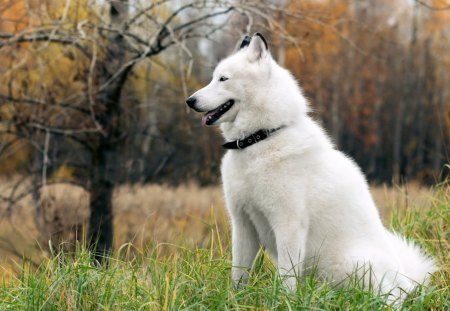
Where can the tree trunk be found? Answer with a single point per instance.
(102, 187)
(105, 154)
(410, 81)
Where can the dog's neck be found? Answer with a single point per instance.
(231, 132)
(245, 125)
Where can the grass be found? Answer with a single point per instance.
(145, 213)
(171, 277)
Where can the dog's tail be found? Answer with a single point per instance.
(416, 265)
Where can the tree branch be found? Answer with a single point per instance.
(12, 39)
(433, 8)
(34, 101)
(158, 46)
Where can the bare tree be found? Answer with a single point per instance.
(107, 48)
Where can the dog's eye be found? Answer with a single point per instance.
(222, 78)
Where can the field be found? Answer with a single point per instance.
(172, 251)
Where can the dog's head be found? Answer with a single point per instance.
(233, 82)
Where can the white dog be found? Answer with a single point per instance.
(289, 190)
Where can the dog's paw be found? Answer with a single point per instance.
(239, 276)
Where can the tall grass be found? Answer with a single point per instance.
(171, 277)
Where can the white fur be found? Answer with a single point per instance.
(294, 193)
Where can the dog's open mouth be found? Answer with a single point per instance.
(213, 115)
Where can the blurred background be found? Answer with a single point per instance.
(97, 143)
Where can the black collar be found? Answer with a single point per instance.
(250, 140)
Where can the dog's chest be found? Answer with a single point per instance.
(245, 181)
(246, 178)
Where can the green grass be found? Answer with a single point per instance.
(198, 279)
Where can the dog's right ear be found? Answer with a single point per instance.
(258, 48)
(245, 42)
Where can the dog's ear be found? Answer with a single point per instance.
(242, 44)
(258, 48)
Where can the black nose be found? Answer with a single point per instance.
(191, 102)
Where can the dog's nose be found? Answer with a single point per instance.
(191, 102)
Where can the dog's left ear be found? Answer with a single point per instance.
(242, 44)
(258, 48)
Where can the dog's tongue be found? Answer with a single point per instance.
(205, 118)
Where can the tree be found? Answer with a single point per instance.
(70, 83)
(374, 73)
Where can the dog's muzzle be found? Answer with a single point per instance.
(191, 101)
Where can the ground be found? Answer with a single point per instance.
(179, 257)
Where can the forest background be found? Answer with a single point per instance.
(95, 136)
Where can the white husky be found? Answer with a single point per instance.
(289, 190)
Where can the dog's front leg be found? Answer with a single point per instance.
(245, 246)
(290, 237)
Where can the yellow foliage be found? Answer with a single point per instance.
(64, 172)
(321, 30)
(42, 71)
(18, 149)
(13, 16)
(17, 154)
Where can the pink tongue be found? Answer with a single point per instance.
(205, 118)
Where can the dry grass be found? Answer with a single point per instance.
(412, 195)
(159, 213)
(142, 214)
(146, 214)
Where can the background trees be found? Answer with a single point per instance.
(86, 92)
(374, 74)
(92, 92)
